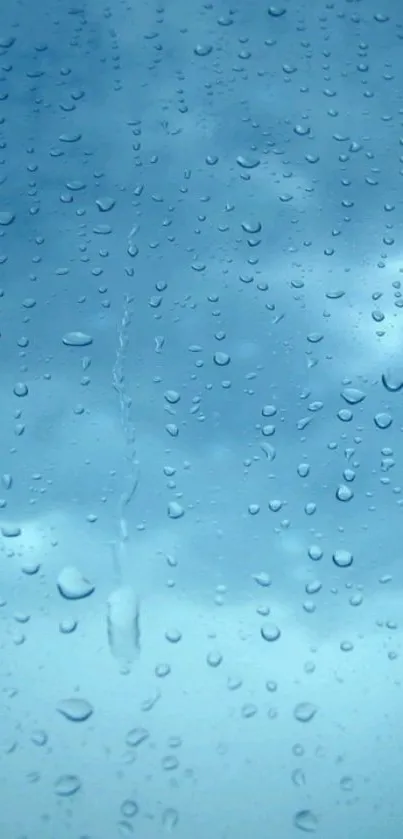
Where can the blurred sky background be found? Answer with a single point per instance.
(201, 419)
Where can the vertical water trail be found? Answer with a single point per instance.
(123, 605)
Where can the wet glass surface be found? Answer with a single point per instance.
(201, 461)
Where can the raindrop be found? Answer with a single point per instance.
(105, 204)
(170, 763)
(383, 420)
(276, 11)
(306, 820)
(123, 625)
(247, 162)
(352, 395)
(10, 531)
(173, 635)
(214, 659)
(221, 359)
(136, 736)
(305, 711)
(6, 218)
(203, 49)
(344, 493)
(170, 818)
(175, 510)
(67, 785)
(20, 389)
(342, 558)
(270, 632)
(392, 380)
(77, 339)
(315, 553)
(129, 808)
(75, 709)
(172, 396)
(73, 585)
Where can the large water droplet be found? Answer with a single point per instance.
(73, 585)
(75, 709)
(123, 625)
(306, 820)
(352, 395)
(77, 339)
(305, 711)
(270, 632)
(342, 558)
(67, 785)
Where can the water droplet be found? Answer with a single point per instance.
(67, 785)
(6, 218)
(392, 380)
(307, 821)
(262, 579)
(75, 709)
(203, 49)
(344, 493)
(10, 531)
(221, 359)
(214, 659)
(170, 818)
(342, 558)
(170, 763)
(247, 162)
(173, 635)
(172, 396)
(346, 783)
(7, 481)
(129, 808)
(77, 339)
(20, 389)
(315, 553)
(352, 395)
(123, 625)
(136, 736)
(302, 130)
(73, 585)
(276, 11)
(105, 204)
(175, 510)
(39, 737)
(305, 711)
(269, 451)
(270, 632)
(383, 420)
